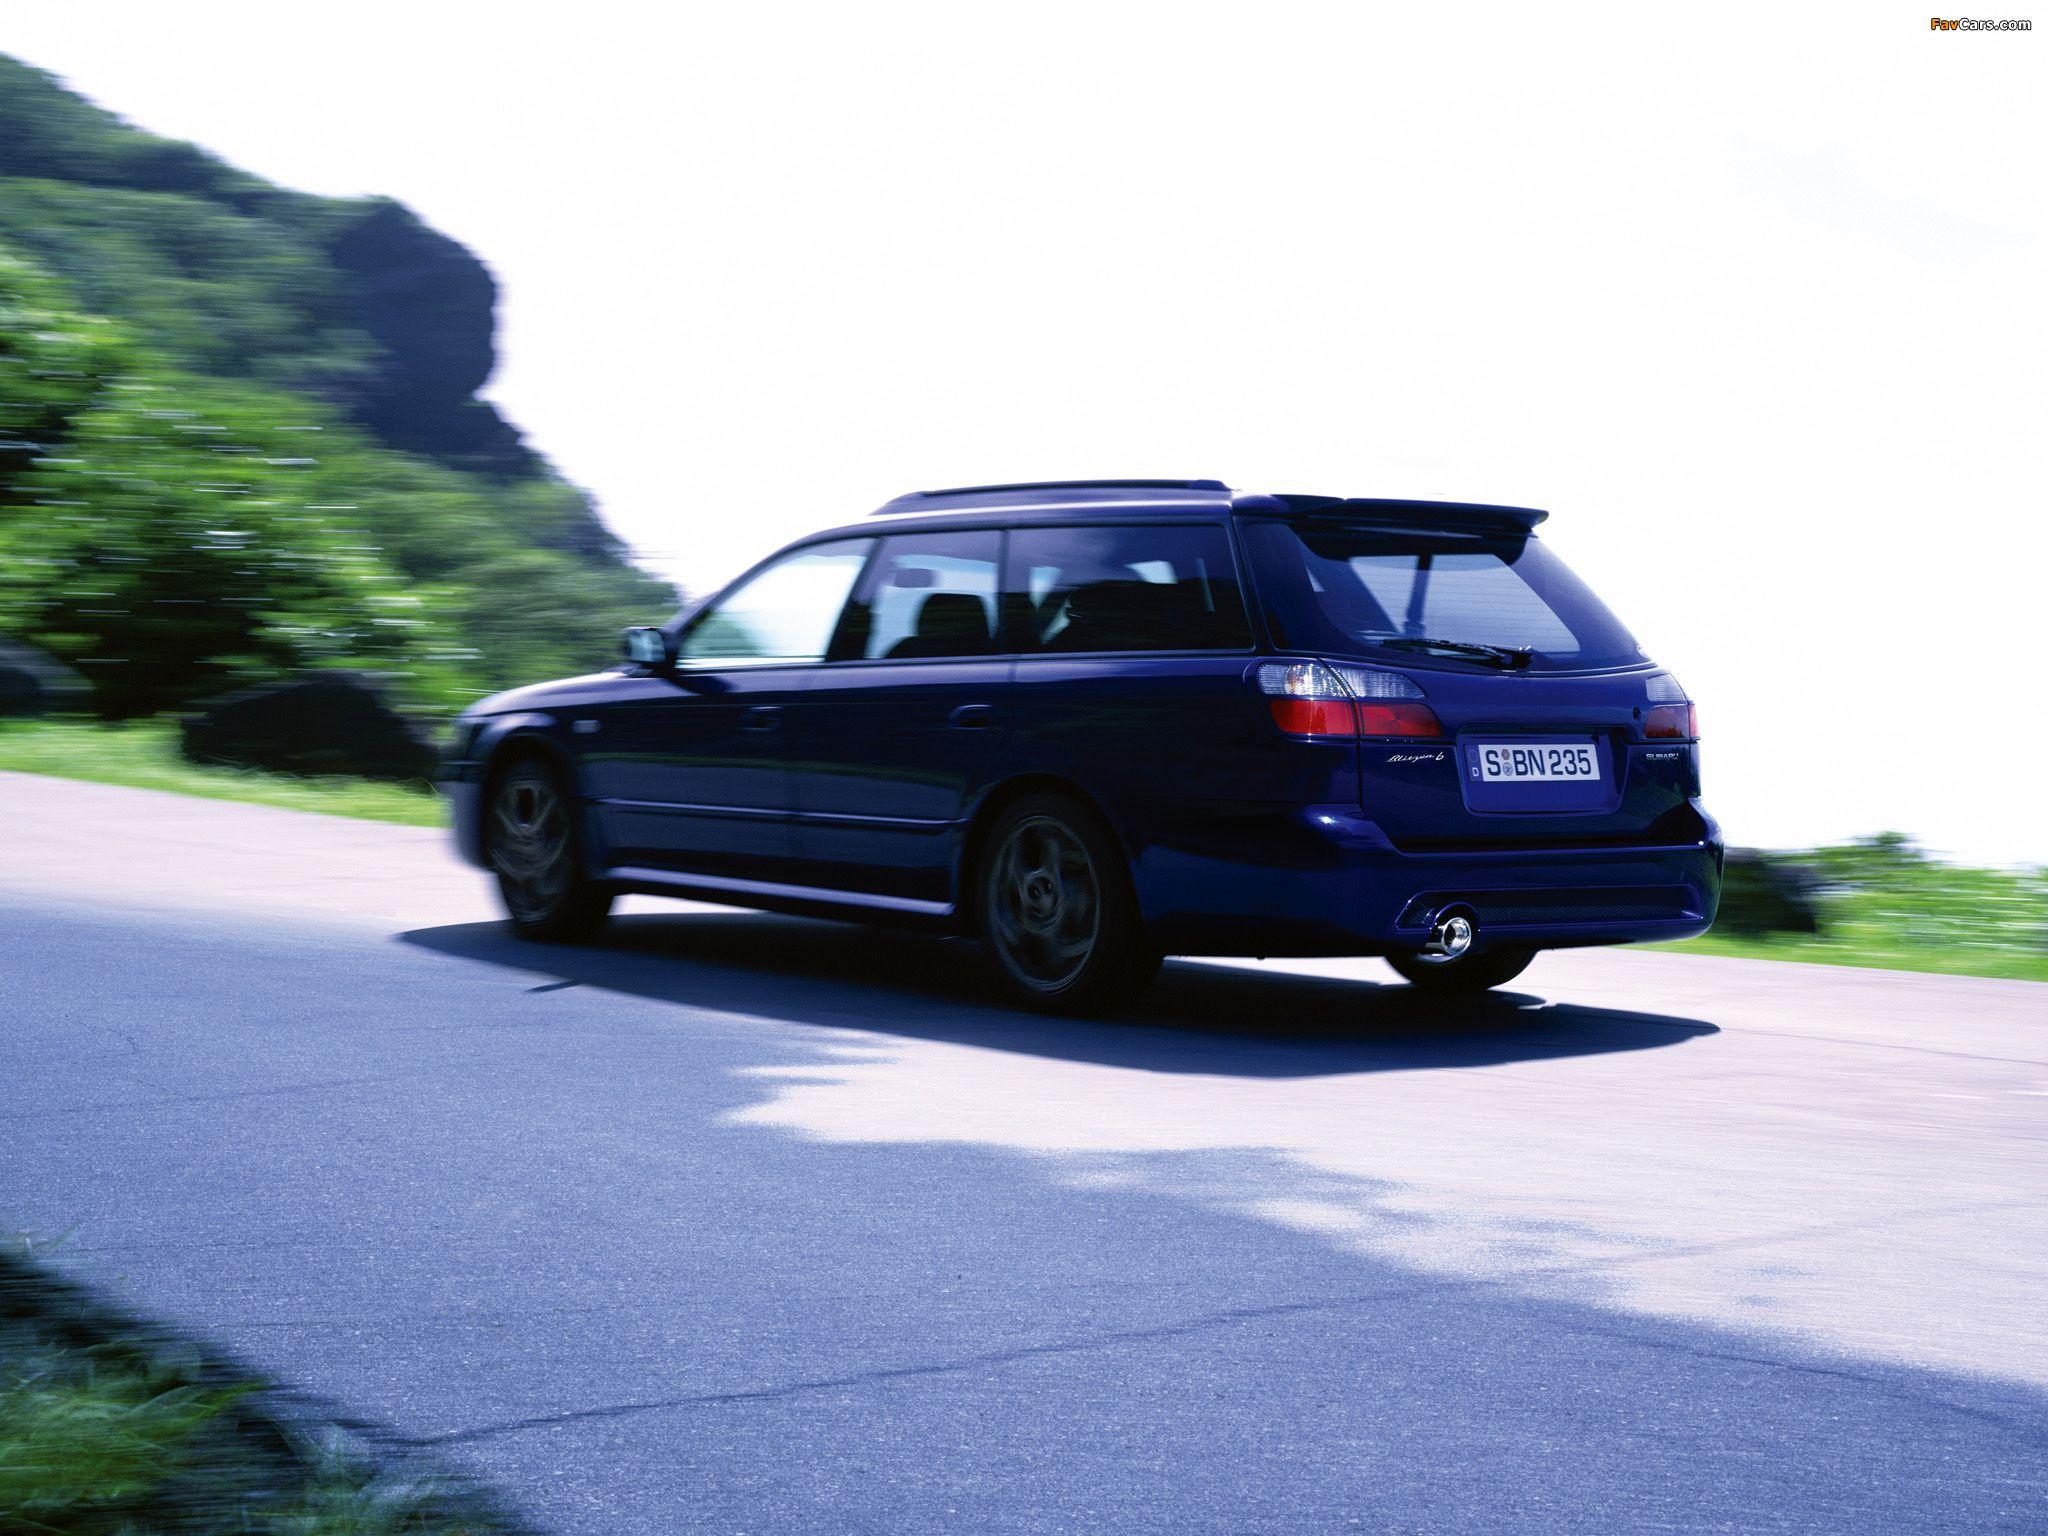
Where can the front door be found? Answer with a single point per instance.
(693, 774)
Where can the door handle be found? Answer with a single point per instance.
(761, 717)
(972, 717)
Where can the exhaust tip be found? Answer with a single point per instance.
(1451, 933)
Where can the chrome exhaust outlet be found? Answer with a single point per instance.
(1450, 935)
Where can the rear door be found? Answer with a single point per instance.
(1133, 648)
(693, 775)
(899, 728)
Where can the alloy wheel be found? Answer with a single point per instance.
(530, 844)
(1045, 903)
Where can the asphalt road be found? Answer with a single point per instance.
(741, 1224)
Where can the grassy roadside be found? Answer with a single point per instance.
(144, 755)
(111, 1428)
(1881, 901)
(1984, 960)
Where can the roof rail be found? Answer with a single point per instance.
(1082, 485)
(908, 502)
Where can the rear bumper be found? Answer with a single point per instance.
(1326, 881)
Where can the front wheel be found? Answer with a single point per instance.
(1057, 909)
(531, 838)
(1471, 972)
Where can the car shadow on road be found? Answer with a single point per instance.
(1231, 1021)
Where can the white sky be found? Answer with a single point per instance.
(1752, 300)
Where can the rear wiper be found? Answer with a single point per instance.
(1509, 658)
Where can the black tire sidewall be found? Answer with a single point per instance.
(1121, 962)
(1473, 973)
(583, 905)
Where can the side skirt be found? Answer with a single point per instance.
(773, 896)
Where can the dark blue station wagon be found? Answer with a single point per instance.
(1097, 723)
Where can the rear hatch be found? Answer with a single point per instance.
(1498, 704)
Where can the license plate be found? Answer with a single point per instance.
(1541, 762)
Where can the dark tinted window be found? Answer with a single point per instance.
(1130, 587)
(927, 594)
(1354, 589)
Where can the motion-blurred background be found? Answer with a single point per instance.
(455, 338)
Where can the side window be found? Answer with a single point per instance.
(785, 612)
(927, 594)
(1133, 587)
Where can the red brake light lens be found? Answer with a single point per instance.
(1315, 717)
(1672, 722)
(1384, 719)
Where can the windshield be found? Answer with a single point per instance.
(1483, 598)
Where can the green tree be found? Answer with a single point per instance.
(54, 362)
(239, 435)
(167, 551)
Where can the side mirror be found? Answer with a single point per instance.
(648, 647)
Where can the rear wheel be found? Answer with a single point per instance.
(1057, 910)
(534, 851)
(1464, 972)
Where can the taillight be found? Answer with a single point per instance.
(1308, 699)
(1315, 698)
(1398, 720)
(1315, 717)
(1672, 716)
(1388, 703)
(1672, 722)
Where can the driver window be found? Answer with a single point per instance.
(783, 613)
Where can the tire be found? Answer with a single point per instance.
(1464, 976)
(531, 838)
(1055, 907)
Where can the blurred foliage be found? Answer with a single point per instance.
(1884, 901)
(218, 292)
(200, 376)
(1763, 893)
(351, 300)
(83, 1443)
(46, 131)
(161, 532)
(108, 1428)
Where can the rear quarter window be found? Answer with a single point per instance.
(1124, 587)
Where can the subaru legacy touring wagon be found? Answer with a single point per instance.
(1097, 723)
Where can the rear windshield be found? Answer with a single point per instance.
(1352, 589)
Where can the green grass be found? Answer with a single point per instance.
(145, 755)
(112, 1428)
(1883, 902)
(1978, 961)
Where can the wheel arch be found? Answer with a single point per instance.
(522, 740)
(999, 798)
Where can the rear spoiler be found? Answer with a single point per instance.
(1403, 514)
